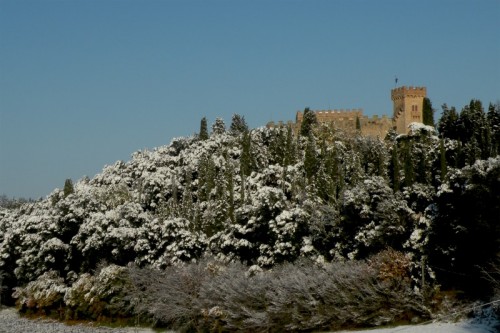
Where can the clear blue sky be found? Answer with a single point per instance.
(86, 83)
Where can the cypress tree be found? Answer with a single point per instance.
(289, 148)
(409, 170)
(246, 158)
(242, 186)
(428, 113)
(442, 157)
(493, 117)
(310, 158)
(395, 168)
(308, 121)
(230, 188)
(448, 124)
(206, 178)
(203, 129)
(68, 187)
(187, 197)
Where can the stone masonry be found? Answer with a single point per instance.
(407, 108)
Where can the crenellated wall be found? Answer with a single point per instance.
(408, 103)
(407, 108)
(346, 119)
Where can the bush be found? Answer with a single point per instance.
(236, 298)
(44, 295)
(291, 297)
(169, 297)
(492, 276)
(100, 296)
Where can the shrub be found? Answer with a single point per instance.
(99, 296)
(492, 276)
(302, 296)
(235, 298)
(169, 297)
(43, 295)
(371, 293)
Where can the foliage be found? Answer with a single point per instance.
(428, 112)
(203, 135)
(42, 295)
(168, 297)
(98, 296)
(218, 126)
(238, 124)
(90, 296)
(465, 234)
(308, 121)
(13, 203)
(291, 297)
(68, 187)
(265, 197)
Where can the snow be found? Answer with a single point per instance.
(460, 327)
(12, 323)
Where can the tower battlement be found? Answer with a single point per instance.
(324, 116)
(407, 108)
(408, 103)
(402, 92)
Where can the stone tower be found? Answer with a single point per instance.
(408, 107)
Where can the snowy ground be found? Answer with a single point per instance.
(461, 327)
(10, 322)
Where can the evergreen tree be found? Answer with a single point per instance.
(493, 117)
(409, 169)
(242, 186)
(229, 173)
(474, 126)
(308, 121)
(238, 124)
(358, 124)
(448, 124)
(246, 154)
(290, 147)
(206, 178)
(276, 145)
(203, 129)
(187, 197)
(442, 159)
(395, 168)
(326, 176)
(472, 151)
(218, 127)
(465, 233)
(220, 201)
(421, 174)
(68, 187)
(174, 199)
(310, 158)
(428, 113)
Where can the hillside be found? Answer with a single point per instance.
(413, 214)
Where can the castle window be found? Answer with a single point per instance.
(414, 108)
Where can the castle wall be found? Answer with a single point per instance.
(408, 103)
(376, 127)
(345, 119)
(407, 108)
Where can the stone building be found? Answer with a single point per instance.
(408, 104)
(407, 108)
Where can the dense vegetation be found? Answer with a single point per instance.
(202, 233)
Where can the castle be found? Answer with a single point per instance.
(407, 108)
